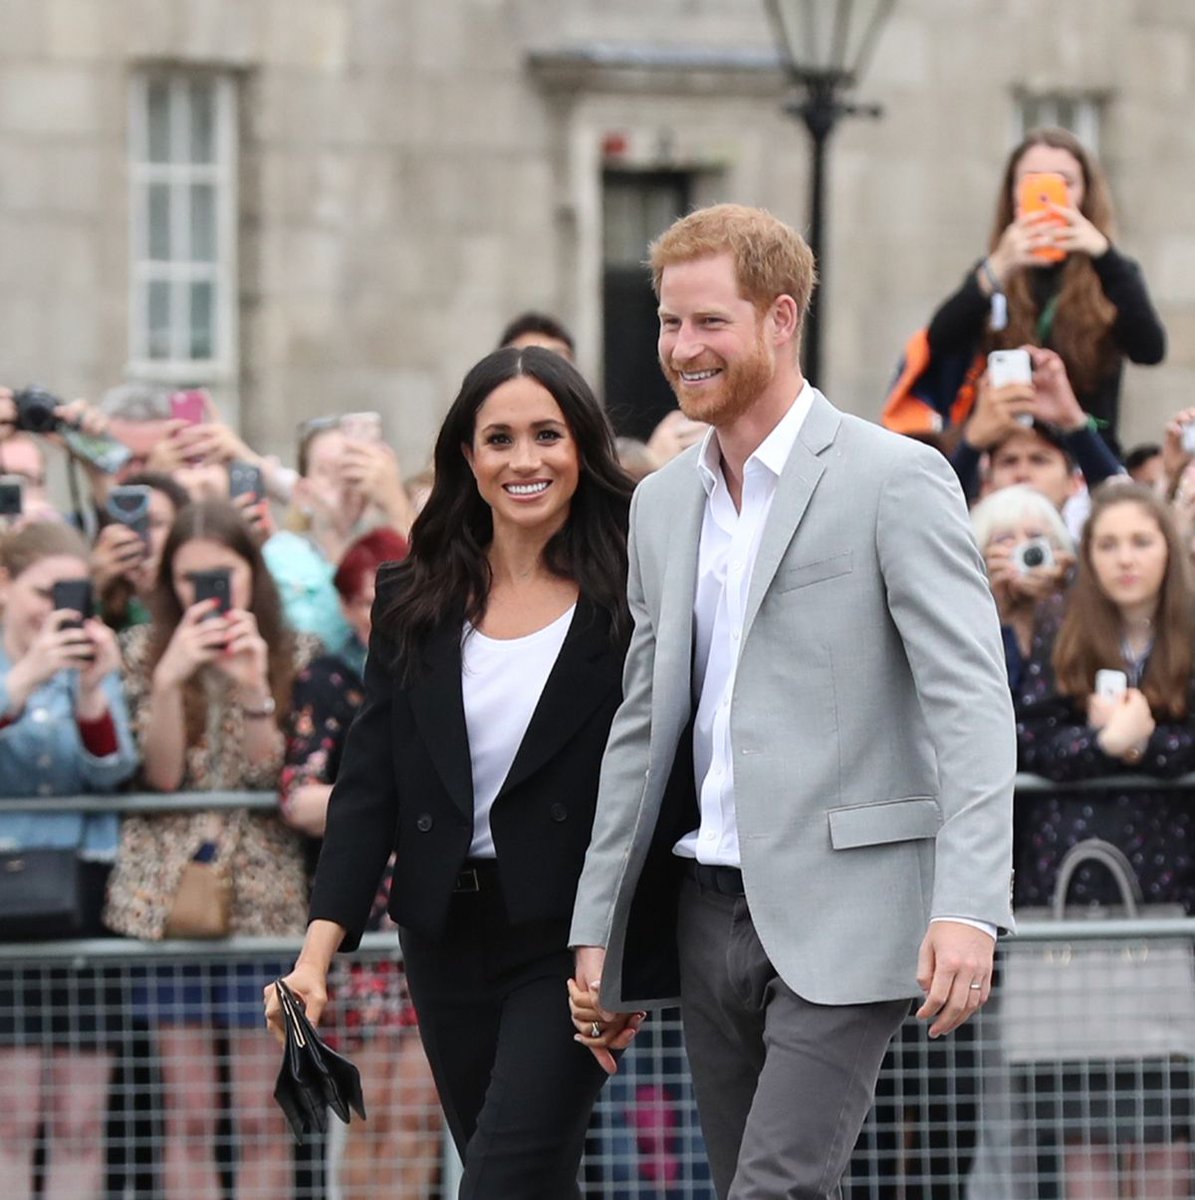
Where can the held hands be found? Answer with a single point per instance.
(954, 957)
(615, 1031)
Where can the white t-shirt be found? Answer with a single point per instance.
(501, 683)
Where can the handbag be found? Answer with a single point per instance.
(202, 905)
(1101, 999)
(313, 1077)
(41, 896)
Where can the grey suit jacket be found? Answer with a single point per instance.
(872, 727)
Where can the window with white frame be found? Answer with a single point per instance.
(182, 150)
(1077, 112)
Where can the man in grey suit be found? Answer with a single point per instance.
(805, 814)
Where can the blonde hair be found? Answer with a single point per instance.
(40, 539)
(770, 258)
(1009, 504)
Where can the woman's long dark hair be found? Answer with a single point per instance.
(446, 578)
(1090, 635)
(218, 521)
(1082, 328)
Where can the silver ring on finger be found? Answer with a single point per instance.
(975, 987)
(595, 1030)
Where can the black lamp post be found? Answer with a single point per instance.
(824, 45)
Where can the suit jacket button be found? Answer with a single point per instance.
(558, 812)
(424, 822)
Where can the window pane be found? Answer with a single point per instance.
(202, 314)
(158, 312)
(203, 121)
(203, 223)
(159, 222)
(158, 120)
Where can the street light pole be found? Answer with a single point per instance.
(824, 45)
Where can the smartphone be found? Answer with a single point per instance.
(75, 594)
(1035, 193)
(12, 495)
(189, 405)
(244, 479)
(215, 584)
(129, 504)
(101, 450)
(362, 426)
(1009, 366)
(1111, 683)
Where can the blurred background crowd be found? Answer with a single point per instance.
(188, 552)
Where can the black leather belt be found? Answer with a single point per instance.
(480, 875)
(726, 880)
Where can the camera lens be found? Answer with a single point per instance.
(1033, 556)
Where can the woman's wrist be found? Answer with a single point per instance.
(20, 686)
(91, 704)
(165, 682)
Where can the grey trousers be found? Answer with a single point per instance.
(783, 1086)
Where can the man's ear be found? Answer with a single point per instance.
(786, 320)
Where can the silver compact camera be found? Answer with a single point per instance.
(1029, 556)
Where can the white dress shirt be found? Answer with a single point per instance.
(725, 562)
(502, 680)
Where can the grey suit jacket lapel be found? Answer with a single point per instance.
(798, 481)
(674, 630)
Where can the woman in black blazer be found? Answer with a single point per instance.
(492, 678)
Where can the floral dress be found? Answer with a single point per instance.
(365, 997)
(264, 856)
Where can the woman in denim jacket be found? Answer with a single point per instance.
(64, 730)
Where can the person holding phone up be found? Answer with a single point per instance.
(1107, 691)
(1052, 277)
(64, 730)
(210, 681)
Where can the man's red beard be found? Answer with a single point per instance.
(731, 394)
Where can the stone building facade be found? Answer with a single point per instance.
(321, 205)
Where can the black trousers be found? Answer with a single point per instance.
(493, 1014)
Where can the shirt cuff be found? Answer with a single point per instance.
(983, 926)
(99, 736)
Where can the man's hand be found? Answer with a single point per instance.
(616, 1031)
(1054, 398)
(953, 957)
(996, 411)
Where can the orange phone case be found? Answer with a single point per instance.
(1035, 193)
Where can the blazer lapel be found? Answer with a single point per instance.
(674, 622)
(795, 489)
(581, 678)
(439, 711)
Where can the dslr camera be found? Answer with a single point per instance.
(1036, 552)
(35, 410)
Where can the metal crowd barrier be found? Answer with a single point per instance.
(100, 1039)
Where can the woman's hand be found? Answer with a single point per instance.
(245, 658)
(1038, 583)
(1076, 234)
(8, 414)
(1019, 245)
(91, 702)
(57, 647)
(117, 554)
(600, 1031)
(310, 987)
(256, 513)
(198, 640)
(1129, 724)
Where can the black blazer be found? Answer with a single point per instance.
(406, 784)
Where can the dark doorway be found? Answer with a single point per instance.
(636, 207)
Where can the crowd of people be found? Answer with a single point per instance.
(197, 620)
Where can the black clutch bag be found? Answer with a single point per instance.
(313, 1078)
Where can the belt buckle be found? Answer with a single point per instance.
(467, 881)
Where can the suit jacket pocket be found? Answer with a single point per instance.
(884, 821)
(788, 579)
